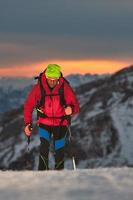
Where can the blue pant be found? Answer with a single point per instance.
(58, 134)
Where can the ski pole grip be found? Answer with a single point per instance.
(30, 127)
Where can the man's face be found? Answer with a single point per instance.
(52, 82)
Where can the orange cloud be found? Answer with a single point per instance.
(68, 67)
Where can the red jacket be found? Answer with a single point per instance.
(52, 106)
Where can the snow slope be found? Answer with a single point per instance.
(92, 184)
(15, 83)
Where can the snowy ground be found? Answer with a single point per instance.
(92, 184)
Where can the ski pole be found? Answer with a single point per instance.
(28, 137)
(28, 142)
(73, 159)
(74, 164)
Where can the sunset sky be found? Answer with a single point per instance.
(83, 36)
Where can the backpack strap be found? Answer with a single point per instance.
(62, 97)
(63, 101)
(43, 92)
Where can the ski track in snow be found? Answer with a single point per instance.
(90, 184)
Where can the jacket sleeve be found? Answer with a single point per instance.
(71, 99)
(30, 103)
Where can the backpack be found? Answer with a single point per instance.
(43, 95)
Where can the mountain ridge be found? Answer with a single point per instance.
(102, 131)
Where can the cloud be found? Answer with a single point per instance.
(65, 16)
(66, 29)
(33, 48)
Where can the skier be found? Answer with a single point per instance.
(55, 102)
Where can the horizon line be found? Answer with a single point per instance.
(92, 67)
